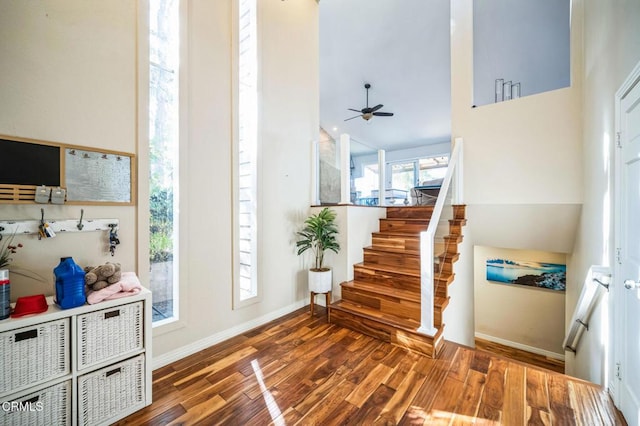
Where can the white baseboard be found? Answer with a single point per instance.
(192, 348)
(520, 346)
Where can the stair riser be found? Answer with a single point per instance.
(385, 304)
(401, 261)
(441, 285)
(450, 246)
(441, 290)
(399, 225)
(416, 342)
(459, 212)
(388, 279)
(437, 317)
(455, 228)
(395, 242)
(423, 212)
(445, 267)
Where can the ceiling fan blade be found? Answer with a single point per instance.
(357, 116)
(377, 107)
(383, 114)
(356, 110)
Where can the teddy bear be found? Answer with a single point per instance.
(99, 277)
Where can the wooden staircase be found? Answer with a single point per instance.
(383, 300)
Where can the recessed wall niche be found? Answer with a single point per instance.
(520, 48)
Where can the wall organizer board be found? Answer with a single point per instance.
(89, 175)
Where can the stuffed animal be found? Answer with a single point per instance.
(99, 277)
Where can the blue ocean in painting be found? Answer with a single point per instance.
(542, 275)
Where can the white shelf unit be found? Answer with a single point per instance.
(59, 380)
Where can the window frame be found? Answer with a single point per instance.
(143, 92)
(238, 301)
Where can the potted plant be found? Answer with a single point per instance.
(318, 235)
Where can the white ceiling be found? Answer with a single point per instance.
(400, 47)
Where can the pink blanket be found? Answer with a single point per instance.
(127, 286)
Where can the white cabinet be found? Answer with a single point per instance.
(83, 366)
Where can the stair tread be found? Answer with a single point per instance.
(412, 296)
(448, 255)
(444, 276)
(441, 302)
(460, 221)
(408, 219)
(406, 324)
(392, 250)
(398, 234)
(389, 268)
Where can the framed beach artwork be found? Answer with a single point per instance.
(550, 276)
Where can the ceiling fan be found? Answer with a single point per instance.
(368, 112)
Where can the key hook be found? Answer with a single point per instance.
(80, 225)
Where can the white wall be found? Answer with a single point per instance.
(612, 48)
(69, 75)
(288, 123)
(522, 316)
(520, 41)
(517, 154)
(526, 151)
(458, 317)
(68, 72)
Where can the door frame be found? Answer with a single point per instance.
(616, 289)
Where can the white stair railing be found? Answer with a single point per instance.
(595, 284)
(450, 192)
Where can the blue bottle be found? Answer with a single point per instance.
(5, 294)
(69, 284)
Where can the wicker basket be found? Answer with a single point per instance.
(49, 406)
(110, 333)
(111, 390)
(33, 355)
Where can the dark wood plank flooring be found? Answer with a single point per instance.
(520, 355)
(301, 370)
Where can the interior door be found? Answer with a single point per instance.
(627, 296)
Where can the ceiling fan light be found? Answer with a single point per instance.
(368, 112)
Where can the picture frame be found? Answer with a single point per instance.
(542, 275)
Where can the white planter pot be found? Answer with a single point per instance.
(320, 281)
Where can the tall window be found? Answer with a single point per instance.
(245, 286)
(163, 156)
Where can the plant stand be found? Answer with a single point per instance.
(313, 299)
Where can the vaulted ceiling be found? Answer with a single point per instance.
(400, 47)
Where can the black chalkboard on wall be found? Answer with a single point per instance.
(29, 163)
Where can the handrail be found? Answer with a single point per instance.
(598, 277)
(427, 254)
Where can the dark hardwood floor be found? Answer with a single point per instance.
(520, 355)
(301, 370)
